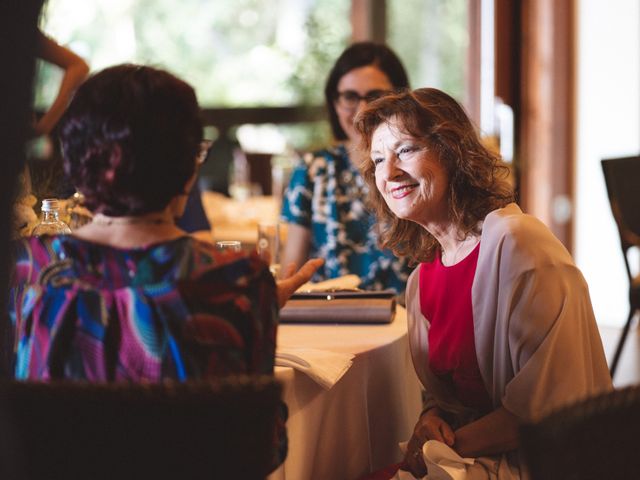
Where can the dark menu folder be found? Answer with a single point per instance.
(340, 306)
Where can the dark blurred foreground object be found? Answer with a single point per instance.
(73, 431)
(622, 176)
(18, 30)
(594, 439)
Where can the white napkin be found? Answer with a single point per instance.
(344, 282)
(442, 461)
(322, 366)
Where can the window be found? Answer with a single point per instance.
(234, 52)
(431, 37)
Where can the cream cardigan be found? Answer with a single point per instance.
(536, 338)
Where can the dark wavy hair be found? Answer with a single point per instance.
(361, 54)
(130, 138)
(479, 180)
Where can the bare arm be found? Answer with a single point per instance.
(296, 250)
(494, 433)
(75, 71)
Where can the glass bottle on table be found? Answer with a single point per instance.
(51, 224)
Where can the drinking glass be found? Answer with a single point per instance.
(268, 245)
(229, 246)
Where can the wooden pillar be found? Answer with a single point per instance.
(472, 94)
(369, 20)
(508, 42)
(507, 55)
(547, 120)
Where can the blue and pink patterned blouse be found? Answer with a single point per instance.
(174, 310)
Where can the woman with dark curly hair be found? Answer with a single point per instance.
(500, 322)
(130, 296)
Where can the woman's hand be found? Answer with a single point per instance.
(292, 280)
(430, 426)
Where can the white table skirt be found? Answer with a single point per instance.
(354, 427)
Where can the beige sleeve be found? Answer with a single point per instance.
(556, 351)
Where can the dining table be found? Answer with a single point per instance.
(350, 421)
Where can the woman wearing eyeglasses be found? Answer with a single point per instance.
(325, 202)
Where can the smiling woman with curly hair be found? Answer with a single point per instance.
(501, 326)
(478, 180)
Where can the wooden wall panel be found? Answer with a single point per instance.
(546, 150)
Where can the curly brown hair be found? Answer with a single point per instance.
(130, 138)
(478, 178)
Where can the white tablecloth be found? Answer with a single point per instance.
(355, 426)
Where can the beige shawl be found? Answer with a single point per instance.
(536, 337)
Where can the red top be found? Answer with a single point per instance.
(445, 300)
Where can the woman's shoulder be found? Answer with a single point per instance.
(317, 168)
(509, 231)
(510, 222)
(182, 259)
(41, 251)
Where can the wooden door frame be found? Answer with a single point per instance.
(545, 106)
(535, 58)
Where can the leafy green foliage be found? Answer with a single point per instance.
(431, 37)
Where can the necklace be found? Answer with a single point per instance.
(104, 220)
(465, 247)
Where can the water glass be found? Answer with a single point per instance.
(268, 245)
(229, 246)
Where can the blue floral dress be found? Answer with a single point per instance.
(327, 195)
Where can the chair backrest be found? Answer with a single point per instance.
(593, 439)
(223, 429)
(622, 178)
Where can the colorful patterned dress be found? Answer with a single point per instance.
(174, 310)
(327, 195)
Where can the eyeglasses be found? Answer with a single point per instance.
(350, 99)
(203, 153)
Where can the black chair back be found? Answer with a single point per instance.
(593, 439)
(622, 178)
(63, 430)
